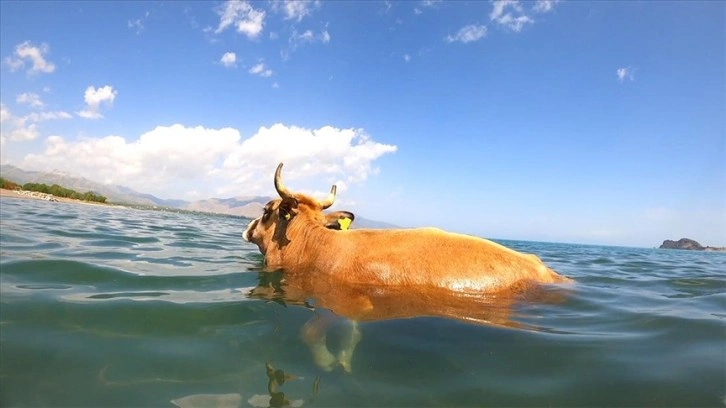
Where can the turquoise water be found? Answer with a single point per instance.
(104, 306)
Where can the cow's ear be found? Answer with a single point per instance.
(339, 220)
(288, 208)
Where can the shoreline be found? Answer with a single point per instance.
(23, 194)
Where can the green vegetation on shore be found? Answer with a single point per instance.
(55, 190)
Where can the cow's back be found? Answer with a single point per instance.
(430, 257)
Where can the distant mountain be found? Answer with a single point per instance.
(250, 207)
(243, 206)
(150, 198)
(114, 194)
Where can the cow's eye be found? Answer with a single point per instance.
(266, 215)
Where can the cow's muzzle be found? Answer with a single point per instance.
(247, 235)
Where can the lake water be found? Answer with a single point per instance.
(103, 306)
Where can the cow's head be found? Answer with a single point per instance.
(289, 213)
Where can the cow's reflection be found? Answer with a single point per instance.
(345, 306)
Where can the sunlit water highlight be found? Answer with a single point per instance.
(103, 306)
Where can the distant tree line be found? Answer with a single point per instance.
(55, 189)
(8, 185)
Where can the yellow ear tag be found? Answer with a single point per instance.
(287, 216)
(344, 223)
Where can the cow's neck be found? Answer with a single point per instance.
(307, 247)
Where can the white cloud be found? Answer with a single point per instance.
(94, 98)
(30, 99)
(325, 37)
(307, 37)
(16, 128)
(295, 9)
(26, 51)
(217, 162)
(25, 128)
(89, 114)
(625, 73)
(544, 6)
(4, 114)
(431, 3)
(43, 116)
(261, 70)
(138, 24)
(509, 14)
(426, 4)
(229, 59)
(347, 153)
(468, 34)
(406, 57)
(246, 19)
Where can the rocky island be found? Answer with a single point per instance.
(686, 243)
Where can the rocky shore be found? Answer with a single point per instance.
(686, 243)
(36, 195)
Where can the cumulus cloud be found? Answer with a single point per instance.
(625, 74)
(216, 162)
(468, 34)
(19, 130)
(261, 70)
(30, 99)
(25, 128)
(295, 9)
(510, 14)
(229, 59)
(94, 98)
(27, 52)
(242, 16)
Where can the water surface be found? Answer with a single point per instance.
(104, 306)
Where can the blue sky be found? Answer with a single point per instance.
(590, 122)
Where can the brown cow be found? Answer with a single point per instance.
(366, 274)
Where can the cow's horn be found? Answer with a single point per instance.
(281, 189)
(331, 198)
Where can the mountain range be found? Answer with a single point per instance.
(243, 206)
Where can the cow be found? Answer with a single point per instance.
(370, 274)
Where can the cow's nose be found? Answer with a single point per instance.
(248, 232)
